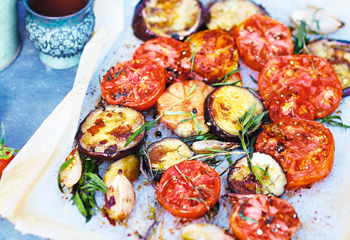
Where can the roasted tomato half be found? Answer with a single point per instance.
(304, 148)
(262, 217)
(166, 52)
(172, 18)
(307, 85)
(209, 56)
(260, 38)
(134, 83)
(189, 189)
(5, 158)
(6, 153)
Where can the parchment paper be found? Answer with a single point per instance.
(29, 194)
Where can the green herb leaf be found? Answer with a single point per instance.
(332, 121)
(301, 40)
(205, 136)
(5, 152)
(63, 166)
(226, 84)
(80, 205)
(166, 113)
(98, 181)
(135, 70)
(138, 131)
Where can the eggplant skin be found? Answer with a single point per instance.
(103, 133)
(241, 180)
(142, 32)
(337, 52)
(234, 101)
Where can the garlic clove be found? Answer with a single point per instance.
(205, 146)
(120, 197)
(72, 173)
(129, 165)
(317, 20)
(204, 231)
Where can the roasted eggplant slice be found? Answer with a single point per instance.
(168, 152)
(227, 15)
(223, 108)
(173, 19)
(104, 132)
(129, 165)
(338, 54)
(72, 173)
(241, 180)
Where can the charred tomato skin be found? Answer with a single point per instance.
(176, 194)
(166, 52)
(314, 79)
(142, 32)
(209, 55)
(112, 152)
(258, 217)
(304, 148)
(5, 162)
(260, 38)
(134, 83)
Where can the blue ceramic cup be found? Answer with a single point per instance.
(60, 40)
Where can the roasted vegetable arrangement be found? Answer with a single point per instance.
(185, 82)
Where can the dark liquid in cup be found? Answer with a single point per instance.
(56, 8)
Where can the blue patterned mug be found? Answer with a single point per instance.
(60, 40)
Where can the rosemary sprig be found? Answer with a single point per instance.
(248, 122)
(117, 74)
(206, 156)
(149, 125)
(193, 54)
(333, 120)
(205, 136)
(227, 75)
(5, 152)
(149, 174)
(135, 70)
(241, 214)
(226, 84)
(301, 40)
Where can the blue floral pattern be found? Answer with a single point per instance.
(65, 41)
